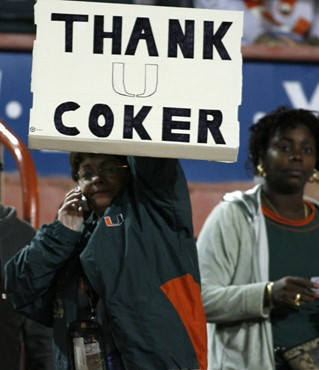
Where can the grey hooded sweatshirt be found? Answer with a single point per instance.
(233, 259)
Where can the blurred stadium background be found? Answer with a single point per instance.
(273, 74)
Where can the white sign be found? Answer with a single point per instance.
(136, 79)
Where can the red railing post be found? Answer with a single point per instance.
(28, 174)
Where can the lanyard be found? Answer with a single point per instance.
(92, 297)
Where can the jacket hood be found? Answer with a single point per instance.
(6, 213)
(248, 201)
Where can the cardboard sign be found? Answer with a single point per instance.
(135, 79)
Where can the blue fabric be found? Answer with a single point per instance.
(114, 361)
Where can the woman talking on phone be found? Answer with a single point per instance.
(258, 251)
(116, 274)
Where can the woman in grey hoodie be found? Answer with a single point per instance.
(259, 249)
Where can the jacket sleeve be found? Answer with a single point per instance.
(30, 274)
(226, 261)
(157, 173)
(162, 188)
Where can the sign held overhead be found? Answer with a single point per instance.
(136, 79)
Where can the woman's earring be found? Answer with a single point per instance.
(261, 171)
(315, 176)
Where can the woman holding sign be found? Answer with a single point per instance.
(116, 274)
(258, 251)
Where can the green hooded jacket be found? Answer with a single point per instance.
(141, 260)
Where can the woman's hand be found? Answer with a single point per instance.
(291, 290)
(71, 213)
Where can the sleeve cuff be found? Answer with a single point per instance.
(62, 233)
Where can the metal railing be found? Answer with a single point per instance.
(27, 171)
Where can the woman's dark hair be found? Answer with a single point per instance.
(76, 158)
(280, 119)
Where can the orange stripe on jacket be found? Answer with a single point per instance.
(184, 294)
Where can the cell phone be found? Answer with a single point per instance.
(83, 202)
